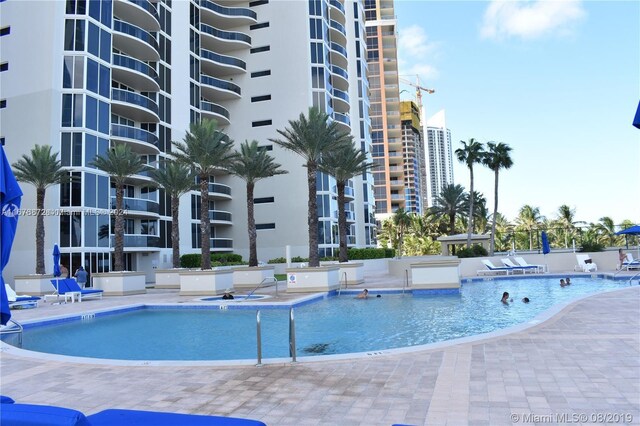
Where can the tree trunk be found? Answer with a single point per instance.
(175, 230)
(205, 227)
(118, 251)
(342, 223)
(495, 212)
(471, 199)
(312, 219)
(40, 231)
(251, 227)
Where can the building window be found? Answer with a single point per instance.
(261, 226)
(258, 3)
(260, 73)
(5, 31)
(74, 35)
(261, 98)
(261, 123)
(258, 26)
(3, 103)
(263, 200)
(4, 66)
(260, 49)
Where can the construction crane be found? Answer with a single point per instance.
(419, 90)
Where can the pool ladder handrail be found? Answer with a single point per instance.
(631, 279)
(346, 283)
(260, 285)
(405, 284)
(17, 328)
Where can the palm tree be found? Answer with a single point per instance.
(253, 164)
(387, 236)
(497, 157)
(42, 169)
(176, 179)
(120, 163)
(343, 164)
(402, 219)
(470, 154)
(449, 203)
(528, 219)
(606, 228)
(565, 220)
(206, 150)
(312, 137)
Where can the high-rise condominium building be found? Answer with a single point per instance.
(439, 156)
(415, 170)
(83, 75)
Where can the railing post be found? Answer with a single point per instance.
(292, 336)
(276, 280)
(259, 338)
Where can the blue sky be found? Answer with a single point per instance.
(559, 81)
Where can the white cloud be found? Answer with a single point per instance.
(531, 19)
(415, 52)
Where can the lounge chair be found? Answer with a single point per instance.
(585, 264)
(30, 414)
(524, 269)
(69, 289)
(520, 261)
(630, 263)
(491, 268)
(16, 300)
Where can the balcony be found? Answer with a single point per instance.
(219, 191)
(132, 242)
(134, 73)
(145, 142)
(336, 11)
(226, 17)
(215, 112)
(217, 89)
(135, 41)
(134, 106)
(138, 206)
(221, 243)
(351, 216)
(220, 217)
(340, 78)
(138, 12)
(223, 41)
(338, 32)
(340, 100)
(338, 55)
(215, 64)
(342, 119)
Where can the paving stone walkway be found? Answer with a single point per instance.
(584, 361)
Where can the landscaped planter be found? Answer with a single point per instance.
(34, 285)
(168, 278)
(210, 282)
(250, 277)
(436, 274)
(120, 283)
(311, 280)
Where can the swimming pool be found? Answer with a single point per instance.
(332, 325)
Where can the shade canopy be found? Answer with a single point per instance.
(634, 230)
(10, 198)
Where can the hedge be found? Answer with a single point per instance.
(217, 259)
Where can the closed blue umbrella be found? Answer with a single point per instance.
(545, 243)
(56, 265)
(10, 198)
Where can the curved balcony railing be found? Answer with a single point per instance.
(229, 11)
(337, 48)
(135, 99)
(135, 65)
(135, 240)
(351, 216)
(225, 35)
(341, 94)
(218, 188)
(216, 109)
(340, 71)
(129, 132)
(337, 5)
(222, 59)
(343, 118)
(137, 32)
(220, 84)
(219, 215)
(338, 27)
(348, 191)
(137, 204)
(221, 243)
(146, 5)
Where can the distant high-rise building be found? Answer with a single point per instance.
(439, 156)
(415, 171)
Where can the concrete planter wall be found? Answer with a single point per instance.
(33, 285)
(168, 278)
(120, 283)
(205, 283)
(436, 274)
(250, 277)
(311, 280)
(354, 271)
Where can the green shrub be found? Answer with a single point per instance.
(278, 260)
(190, 261)
(370, 253)
(217, 259)
(476, 250)
(591, 246)
(298, 259)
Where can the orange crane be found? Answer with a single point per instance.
(419, 90)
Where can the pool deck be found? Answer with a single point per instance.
(581, 361)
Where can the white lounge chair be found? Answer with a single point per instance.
(630, 263)
(520, 261)
(17, 300)
(491, 268)
(524, 269)
(585, 264)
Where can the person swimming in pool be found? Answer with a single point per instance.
(525, 300)
(363, 295)
(505, 298)
(227, 295)
(563, 283)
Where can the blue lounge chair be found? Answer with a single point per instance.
(491, 268)
(31, 415)
(16, 300)
(68, 288)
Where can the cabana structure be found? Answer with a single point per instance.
(449, 241)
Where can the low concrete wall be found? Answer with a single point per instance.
(311, 280)
(249, 277)
(120, 283)
(436, 274)
(209, 282)
(33, 285)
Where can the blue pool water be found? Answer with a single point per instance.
(334, 325)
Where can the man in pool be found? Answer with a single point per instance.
(227, 295)
(525, 300)
(568, 281)
(363, 295)
(505, 298)
(563, 283)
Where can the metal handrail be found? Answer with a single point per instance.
(18, 328)
(259, 338)
(631, 279)
(406, 280)
(260, 285)
(292, 336)
(346, 283)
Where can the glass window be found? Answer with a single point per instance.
(68, 34)
(90, 190)
(65, 234)
(90, 150)
(105, 46)
(92, 113)
(76, 230)
(105, 18)
(77, 150)
(105, 81)
(67, 72)
(65, 154)
(67, 108)
(94, 40)
(79, 36)
(90, 231)
(94, 9)
(103, 192)
(77, 110)
(103, 117)
(92, 75)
